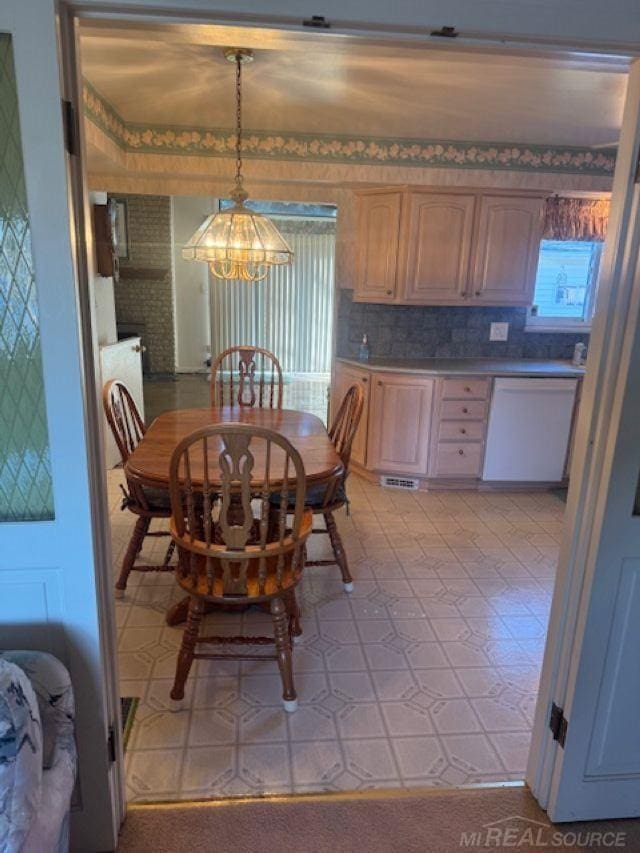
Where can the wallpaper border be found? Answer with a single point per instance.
(331, 148)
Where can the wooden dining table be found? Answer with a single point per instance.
(149, 462)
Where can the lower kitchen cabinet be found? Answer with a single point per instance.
(459, 428)
(429, 427)
(399, 423)
(344, 377)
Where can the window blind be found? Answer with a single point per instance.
(291, 311)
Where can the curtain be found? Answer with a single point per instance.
(576, 219)
(291, 311)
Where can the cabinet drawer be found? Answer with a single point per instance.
(463, 410)
(465, 389)
(457, 459)
(461, 431)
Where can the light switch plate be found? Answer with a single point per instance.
(499, 332)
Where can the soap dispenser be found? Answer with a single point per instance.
(578, 354)
(363, 351)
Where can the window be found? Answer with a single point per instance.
(565, 284)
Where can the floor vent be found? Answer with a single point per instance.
(400, 483)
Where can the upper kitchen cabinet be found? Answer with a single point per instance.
(437, 234)
(506, 252)
(421, 247)
(378, 236)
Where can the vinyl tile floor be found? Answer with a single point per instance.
(426, 674)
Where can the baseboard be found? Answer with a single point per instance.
(427, 484)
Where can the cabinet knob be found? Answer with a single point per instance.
(461, 452)
(389, 292)
(478, 293)
(465, 411)
(364, 379)
(467, 389)
(463, 431)
(379, 382)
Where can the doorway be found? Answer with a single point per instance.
(271, 753)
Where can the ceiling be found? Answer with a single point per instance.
(177, 75)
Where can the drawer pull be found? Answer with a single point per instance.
(465, 411)
(389, 292)
(463, 431)
(364, 379)
(461, 452)
(467, 389)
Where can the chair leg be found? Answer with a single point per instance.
(293, 611)
(187, 648)
(283, 651)
(169, 554)
(135, 546)
(338, 550)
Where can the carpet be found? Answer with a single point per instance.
(128, 708)
(426, 820)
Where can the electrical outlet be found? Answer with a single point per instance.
(499, 332)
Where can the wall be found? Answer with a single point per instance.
(193, 328)
(401, 331)
(149, 300)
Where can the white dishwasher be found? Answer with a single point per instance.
(528, 431)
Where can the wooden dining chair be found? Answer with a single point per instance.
(147, 504)
(325, 500)
(246, 376)
(236, 546)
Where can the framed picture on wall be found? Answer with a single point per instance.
(122, 230)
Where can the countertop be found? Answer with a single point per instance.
(471, 366)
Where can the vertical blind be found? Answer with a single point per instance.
(291, 311)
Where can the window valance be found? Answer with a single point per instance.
(576, 218)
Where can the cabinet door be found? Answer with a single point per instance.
(507, 247)
(437, 242)
(344, 376)
(400, 423)
(378, 235)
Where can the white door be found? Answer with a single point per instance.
(52, 557)
(591, 669)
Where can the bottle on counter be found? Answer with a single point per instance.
(578, 354)
(363, 351)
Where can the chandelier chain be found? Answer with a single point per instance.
(238, 121)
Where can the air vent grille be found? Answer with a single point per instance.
(400, 483)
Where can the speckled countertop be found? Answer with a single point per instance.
(471, 366)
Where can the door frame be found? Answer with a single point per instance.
(84, 258)
(612, 337)
(582, 497)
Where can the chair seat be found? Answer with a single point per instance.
(315, 496)
(157, 499)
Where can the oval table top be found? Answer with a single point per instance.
(149, 462)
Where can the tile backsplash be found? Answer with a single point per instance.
(407, 331)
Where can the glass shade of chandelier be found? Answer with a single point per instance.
(238, 243)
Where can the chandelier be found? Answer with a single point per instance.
(238, 243)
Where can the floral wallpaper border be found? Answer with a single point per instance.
(219, 142)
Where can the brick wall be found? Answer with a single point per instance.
(149, 300)
(400, 331)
